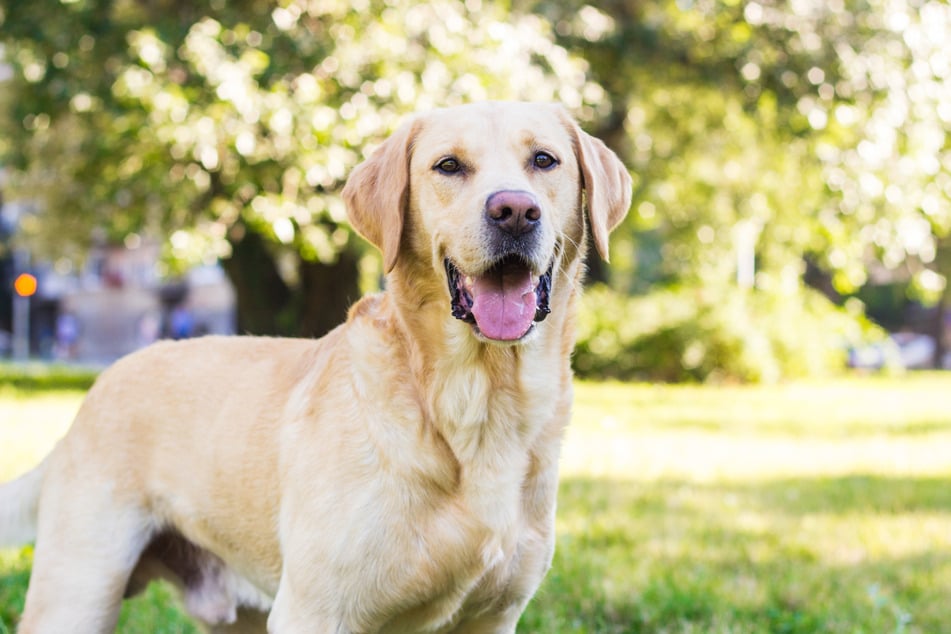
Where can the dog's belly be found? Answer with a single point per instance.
(213, 591)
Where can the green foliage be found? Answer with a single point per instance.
(701, 333)
(166, 119)
(780, 132)
(820, 123)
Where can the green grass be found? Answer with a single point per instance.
(812, 507)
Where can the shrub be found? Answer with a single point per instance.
(703, 333)
(42, 376)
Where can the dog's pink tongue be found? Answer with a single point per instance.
(504, 303)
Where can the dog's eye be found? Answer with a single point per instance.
(449, 165)
(544, 160)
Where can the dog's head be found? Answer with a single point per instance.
(490, 196)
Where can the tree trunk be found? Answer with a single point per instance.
(941, 311)
(260, 292)
(613, 134)
(597, 270)
(943, 263)
(268, 306)
(326, 293)
(818, 279)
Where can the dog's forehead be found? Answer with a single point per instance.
(485, 128)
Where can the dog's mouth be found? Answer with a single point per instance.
(504, 302)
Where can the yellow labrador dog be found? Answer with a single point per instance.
(397, 475)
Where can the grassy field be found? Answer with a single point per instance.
(813, 507)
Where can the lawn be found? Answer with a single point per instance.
(811, 507)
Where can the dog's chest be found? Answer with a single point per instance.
(458, 579)
(460, 557)
(450, 463)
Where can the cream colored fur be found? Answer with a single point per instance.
(397, 475)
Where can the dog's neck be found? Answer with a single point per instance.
(462, 376)
(489, 402)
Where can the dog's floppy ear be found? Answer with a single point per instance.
(377, 193)
(607, 186)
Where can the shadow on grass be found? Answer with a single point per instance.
(850, 494)
(794, 556)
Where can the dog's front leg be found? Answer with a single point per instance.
(291, 614)
(493, 623)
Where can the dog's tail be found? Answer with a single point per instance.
(19, 503)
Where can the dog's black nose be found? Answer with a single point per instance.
(514, 212)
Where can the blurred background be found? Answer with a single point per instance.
(171, 168)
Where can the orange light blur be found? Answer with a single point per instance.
(25, 285)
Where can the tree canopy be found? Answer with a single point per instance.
(772, 143)
(230, 128)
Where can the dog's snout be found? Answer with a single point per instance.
(514, 212)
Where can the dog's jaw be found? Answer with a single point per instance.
(503, 303)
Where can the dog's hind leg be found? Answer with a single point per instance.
(19, 500)
(250, 621)
(87, 544)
